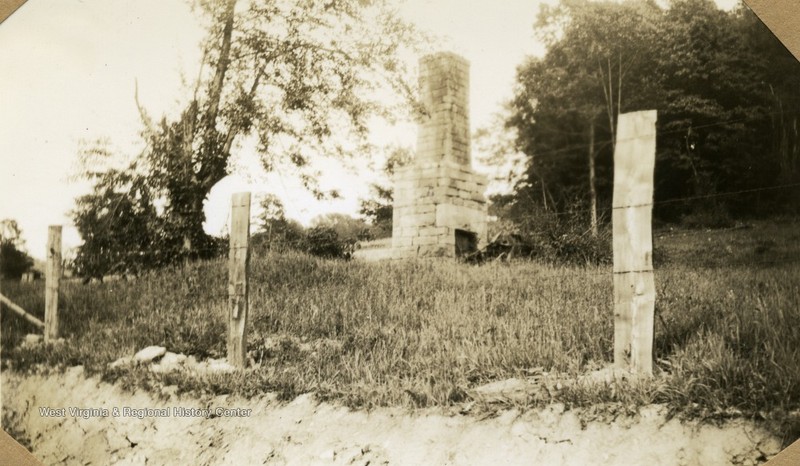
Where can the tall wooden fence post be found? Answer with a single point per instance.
(634, 286)
(52, 283)
(238, 267)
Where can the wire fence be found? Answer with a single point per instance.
(607, 210)
(147, 251)
(221, 246)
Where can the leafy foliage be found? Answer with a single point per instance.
(323, 241)
(724, 125)
(275, 231)
(117, 219)
(298, 79)
(377, 210)
(555, 238)
(348, 229)
(14, 261)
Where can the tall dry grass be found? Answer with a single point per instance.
(425, 333)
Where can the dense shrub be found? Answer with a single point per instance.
(323, 241)
(559, 239)
(13, 262)
(278, 235)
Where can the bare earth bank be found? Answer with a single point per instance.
(304, 432)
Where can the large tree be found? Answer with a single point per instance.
(291, 75)
(14, 261)
(297, 79)
(378, 208)
(117, 220)
(566, 103)
(724, 119)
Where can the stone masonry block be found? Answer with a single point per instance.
(420, 240)
(424, 208)
(432, 231)
(401, 241)
(439, 192)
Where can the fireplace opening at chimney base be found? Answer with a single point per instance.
(466, 242)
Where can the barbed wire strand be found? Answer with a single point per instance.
(667, 201)
(602, 211)
(606, 142)
(223, 247)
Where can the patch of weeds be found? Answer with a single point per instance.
(419, 333)
(788, 424)
(56, 355)
(136, 378)
(287, 390)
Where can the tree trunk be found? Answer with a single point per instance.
(592, 188)
(209, 173)
(215, 92)
(611, 107)
(619, 89)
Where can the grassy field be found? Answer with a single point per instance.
(727, 339)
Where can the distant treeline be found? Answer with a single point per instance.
(727, 94)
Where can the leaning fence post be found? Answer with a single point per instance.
(634, 286)
(238, 265)
(52, 282)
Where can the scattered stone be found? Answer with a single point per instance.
(150, 354)
(31, 340)
(466, 407)
(169, 362)
(769, 447)
(219, 365)
(173, 358)
(166, 361)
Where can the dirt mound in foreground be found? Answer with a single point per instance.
(229, 430)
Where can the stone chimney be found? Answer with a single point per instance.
(439, 203)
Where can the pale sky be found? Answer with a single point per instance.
(69, 69)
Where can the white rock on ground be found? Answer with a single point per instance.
(150, 354)
(169, 362)
(31, 340)
(219, 365)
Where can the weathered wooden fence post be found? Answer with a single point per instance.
(238, 267)
(52, 282)
(634, 286)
